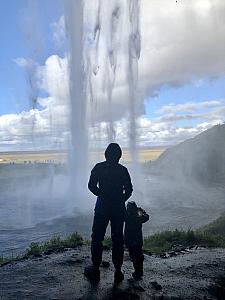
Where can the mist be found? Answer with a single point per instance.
(96, 93)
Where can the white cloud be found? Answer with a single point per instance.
(180, 43)
(191, 106)
(24, 62)
(44, 128)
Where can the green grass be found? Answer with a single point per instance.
(2, 260)
(107, 242)
(215, 227)
(54, 244)
(173, 240)
(211, 235)
(5, 260)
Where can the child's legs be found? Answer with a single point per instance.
(137, 258)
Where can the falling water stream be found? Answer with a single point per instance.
(78, 101)
(104, 54)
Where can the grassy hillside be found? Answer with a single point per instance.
(216, 227)
(211, 235)
(201, 158)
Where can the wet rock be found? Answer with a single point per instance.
(5, 263)
(138, 288)
(126, 257)
(172, 253)
(49, 278)
(127, 294)
(78, 261)
(191, 247)
(148, 253)
(178, 247)
(106, 248)
(105, 264)
(37, 255)
(164, 255)
(183, 252)
(49, 251)
(70, 262)
(156, 285)
(40, 259)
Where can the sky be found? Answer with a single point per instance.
(181, 72)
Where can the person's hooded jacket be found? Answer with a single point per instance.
(109, 180)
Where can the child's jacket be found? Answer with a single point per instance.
(133, 228)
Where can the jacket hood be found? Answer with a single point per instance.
(113, 153)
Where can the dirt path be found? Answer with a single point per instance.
(199, 274)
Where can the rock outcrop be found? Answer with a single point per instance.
(201, 158)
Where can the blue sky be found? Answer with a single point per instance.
(27, 32)
(206, 89)
(14, 24)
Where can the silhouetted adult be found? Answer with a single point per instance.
(111, 183)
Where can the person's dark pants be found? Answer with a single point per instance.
(137, 258)
(103, 214)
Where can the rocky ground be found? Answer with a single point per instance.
(198, 274)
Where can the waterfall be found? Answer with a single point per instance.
(104, 51)
(78, 100)
(134, 49)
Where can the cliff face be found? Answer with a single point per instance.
(200, 159)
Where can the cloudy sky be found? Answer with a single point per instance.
(181, 72)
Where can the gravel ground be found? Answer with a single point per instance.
(198, 274)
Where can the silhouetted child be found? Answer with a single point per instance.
(135, 217)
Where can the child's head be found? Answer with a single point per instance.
(132, 207)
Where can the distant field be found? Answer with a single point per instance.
(32, 157)
(144, 155)
(60, 157)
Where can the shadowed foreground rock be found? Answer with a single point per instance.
(199, 274)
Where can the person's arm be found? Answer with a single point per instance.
(128, 188)
(142, 215)
(93, 182)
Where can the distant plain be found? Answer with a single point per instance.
(20, 157)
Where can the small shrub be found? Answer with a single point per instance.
(107, 242)
(55, 243)
(74, 240)
(2, 260)
(87, 242)
(34, 250)
(216, 227)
